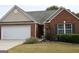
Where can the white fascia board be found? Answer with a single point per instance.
(52, 15)
(20, 10)
(59, 13)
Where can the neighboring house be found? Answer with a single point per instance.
(19, 24)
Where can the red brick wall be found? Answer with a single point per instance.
(33, 30)
(64, 16)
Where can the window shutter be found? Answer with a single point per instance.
(73, 28)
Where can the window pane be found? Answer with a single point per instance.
(68, 31)
(60, 31)
(60, 26)
(68, 26)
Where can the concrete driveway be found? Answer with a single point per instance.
(7, 44)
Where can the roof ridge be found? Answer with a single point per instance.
(40, 11)
(20, 10)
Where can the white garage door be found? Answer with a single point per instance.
(16, 32)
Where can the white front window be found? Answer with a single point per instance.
(64, 28)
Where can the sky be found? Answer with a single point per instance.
(34, 5)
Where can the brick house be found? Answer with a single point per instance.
(19, 24)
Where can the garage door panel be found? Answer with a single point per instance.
(16, 32)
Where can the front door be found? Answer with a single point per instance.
(40, 31)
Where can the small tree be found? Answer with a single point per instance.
(49, 35)
(77, 14)
(52, 8)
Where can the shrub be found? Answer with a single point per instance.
(31, 41)
(73, 38)
(50, 36)
(47, 36)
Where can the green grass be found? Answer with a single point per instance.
(46, 47)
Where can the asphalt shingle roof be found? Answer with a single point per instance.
(37, 16)
(41, 16)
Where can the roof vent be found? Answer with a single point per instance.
(15, 11)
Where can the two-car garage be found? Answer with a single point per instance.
(15, 31)
(17, 24)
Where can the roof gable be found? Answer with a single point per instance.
(16, 14)
(58, 12)
(40, 17)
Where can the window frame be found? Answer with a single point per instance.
(60, 29)
(71, 29)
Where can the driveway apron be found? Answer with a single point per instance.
(7, 44)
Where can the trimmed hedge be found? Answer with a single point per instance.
(73, 38)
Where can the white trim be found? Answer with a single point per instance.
(27, 15)
(59, 29)
(50, 16)
(72, 13)
(71, 27)
(2, 18)
(64, 27)
(53, 14)
(20, 10)
(59, 13)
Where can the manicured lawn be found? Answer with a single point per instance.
(46, 47)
